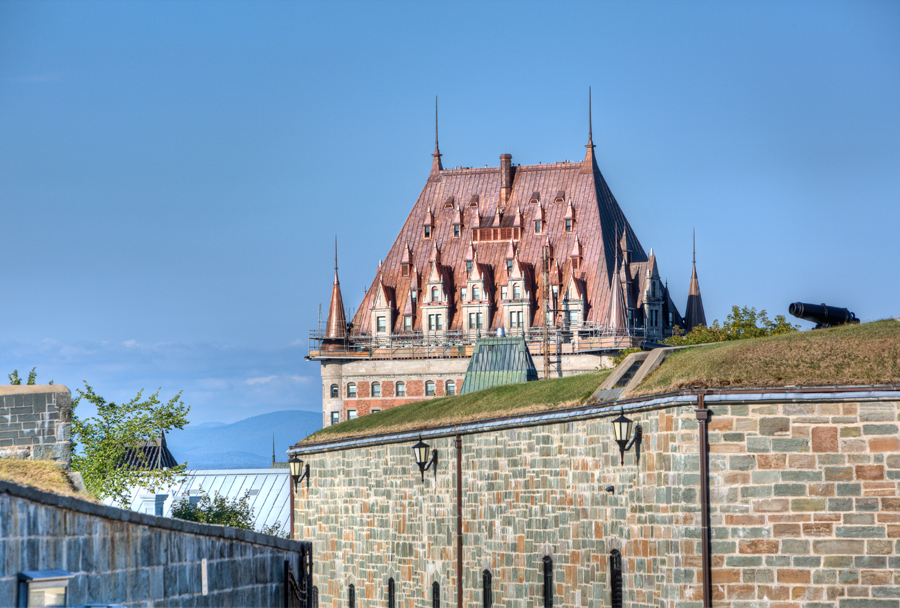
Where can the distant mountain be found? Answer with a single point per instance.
(242, 445)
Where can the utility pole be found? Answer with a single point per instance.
(545, 279)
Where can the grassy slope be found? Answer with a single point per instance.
(490, 403)
(39, 474)
(849, 355)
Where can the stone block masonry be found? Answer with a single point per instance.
(133, 559)
(804, 507)
(36, 423)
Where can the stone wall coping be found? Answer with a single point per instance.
(166, 523)
(31, 389)
(608, 408)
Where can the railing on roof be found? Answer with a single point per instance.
(567, 339)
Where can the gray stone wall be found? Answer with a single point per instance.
(133, 559)
(36, 423)
(803, 488)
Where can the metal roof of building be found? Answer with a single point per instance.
(498, 361)
(149, 454)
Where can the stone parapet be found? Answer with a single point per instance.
(36, 423)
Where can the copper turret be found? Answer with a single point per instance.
(336, 327)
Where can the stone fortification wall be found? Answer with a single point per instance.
(127, 558)
(36, 422)
(803, 489)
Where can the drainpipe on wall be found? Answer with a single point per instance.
(703, 418)
(291, 482)
(459, 532)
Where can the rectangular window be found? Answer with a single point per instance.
(335, 417)
(573, 317)
(472, 321)
(431, 322)
(456, 231)
(512, 320)
(375, 410)
(407, 323)
(427, 232)
(503, 292)
(382, 324)
(517, 291)
(404, 270)
(351, 414)
(439, 326)
(160, 504)
(468, 266)
(476, 293)
(508, 265)
(537, 226)
(463, 294)
(568, 225)
(480, 317)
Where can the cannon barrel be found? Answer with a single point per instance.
(822, 315)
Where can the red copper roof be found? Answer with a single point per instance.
(598, 218)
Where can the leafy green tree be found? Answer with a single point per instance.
(104, 439)
(236, 513)
(16, 381)
(741, 324)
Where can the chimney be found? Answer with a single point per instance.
(505, 178)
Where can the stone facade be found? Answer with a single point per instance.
(36, 422)
(132, 559)
(414, 373)
(804, 506)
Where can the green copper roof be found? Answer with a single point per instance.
(498, 361)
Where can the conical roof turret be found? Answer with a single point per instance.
(436, 166)
(336, 327)
(694, 314)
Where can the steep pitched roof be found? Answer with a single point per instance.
(694, 314)
(149, 454)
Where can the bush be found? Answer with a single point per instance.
(741, 324)
(218, 510)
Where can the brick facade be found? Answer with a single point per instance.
(805, 509)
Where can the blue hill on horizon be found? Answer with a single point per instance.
(246, 444)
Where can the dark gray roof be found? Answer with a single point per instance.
(498, 361)
(149, 454)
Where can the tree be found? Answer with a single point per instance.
(236, 513)
(741, 324)
(105, 438)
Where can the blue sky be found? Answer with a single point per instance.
(172, 174)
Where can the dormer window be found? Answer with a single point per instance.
(473, 202)
(508, 265)
(427, 232)
(538, 224)
(462, 294)
(381, 325)
(469, 266)
(404, 270)
(413, 295)
(448, 204)
(517, 292)
(568, 226)
(407, 323)
(456, 231)
(560, 196)
(535, 197)
(435, 294)
(503, 292)
(576, 263)
(476, 293)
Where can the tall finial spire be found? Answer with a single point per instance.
(590, 163)
(436, 166)
(273, 450)
(695, 247)
(335, 261)
(590, 121)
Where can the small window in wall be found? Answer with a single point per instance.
(427, 232)
(573, 317)
(471, 320)
(451, 387)
(517, 291)
(431, 322)
(381, 324)
(429, 388)
(435, 595)
(351, 414)
(351, 391)
(375, 410)
(480, 319)
(335, 391)
(351, 597)
(400, 389)
(404, 270)
(615, 578)
(508, 265)
(487, 593)
(568, 225)
(391, 593)
(463, 294)
(335, 417)
(435, 294)
(503, 293)
(548, 582)
(468, 267)
(376, 389)
(476, 293)
(160, 504)
(407, 323)
(440, 325)
(456, 231)
(537, 226)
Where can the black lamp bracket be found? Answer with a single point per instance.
(624, 447)
(305, 476)
(432, 462)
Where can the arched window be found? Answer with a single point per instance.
(400, 389)
(335, 391)
(615, 578)
(436, 595)
(435, 294)
(487, 594)
(548, 582)
(390, 593)
(376, 389)
(451, 387)
(429, 388)
(351, 391)
(351, 597)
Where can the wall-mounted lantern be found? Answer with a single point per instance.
(622, 430)
(420, 452)
(43, 588)
(298, 471)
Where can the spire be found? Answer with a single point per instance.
(336, 327)
(590, 163)
(436, 166)
(694, 314)
(616, 316)
(273, 450)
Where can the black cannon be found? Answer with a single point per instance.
(822, 315)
